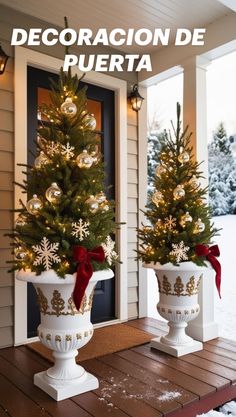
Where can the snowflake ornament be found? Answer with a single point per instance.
(179, 251)
(53, 148)
(108, 247)
(67, 151)
(80, 229)
(170, 222)
(46, 253)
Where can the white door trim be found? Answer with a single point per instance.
(24, 57)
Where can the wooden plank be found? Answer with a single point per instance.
(6, 278)
(132, 235)
(215, 368)
(7, 200)
(132, 247)
(5, 255)
(132, 265)
(158, 324)
(132, 176)
(212, 379)
(6, 141)
(121, 390)
(5, 240)
(6, 296)
(7, 120)
(132, 220)
(132, 295)
(132, 279)
(25, 384)
(224, 343)
(132, 147)
(6, 316)
(6, 179)
(132, 190)
(132, 161)
(207, 403)
(6, 220)
(132, 205)
(187, 382)
(17, 403)
(6, 100)
(213, 357)
(162, 386)
(131, 116)
(147, 328)
(7, 83)
(132, 133)
(6, 336)
(132, 310)
(97, 407)
(221, 350)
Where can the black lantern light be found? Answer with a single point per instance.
(136, 99)
(3, 60)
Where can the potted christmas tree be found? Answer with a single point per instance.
(62, 238)
(175, 242)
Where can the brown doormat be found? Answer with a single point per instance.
(105, 340)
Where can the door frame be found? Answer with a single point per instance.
(23, 58)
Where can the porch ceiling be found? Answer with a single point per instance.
(150, 14)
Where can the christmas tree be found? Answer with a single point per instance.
(177, 214)
(67, 208)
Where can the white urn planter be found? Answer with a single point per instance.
(178, 289)
(64, 330)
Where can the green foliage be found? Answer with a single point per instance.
(157, 237)
(54, 220)
(220, 142)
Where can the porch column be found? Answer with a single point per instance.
(204, 327)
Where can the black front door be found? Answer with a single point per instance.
(101, 103)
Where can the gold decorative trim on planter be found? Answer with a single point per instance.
(192, 286)
(58, 305)
(168, 310)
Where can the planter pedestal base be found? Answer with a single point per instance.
(177, 350)
(60, 390)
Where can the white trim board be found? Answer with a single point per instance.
(24, 57)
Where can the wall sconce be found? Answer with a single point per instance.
(135, 99)
(3, 60)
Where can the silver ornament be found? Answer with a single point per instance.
(53, 193)
(160, 169)
(90, 121)
(186, 218)
(199, 227)
(100, 197)
(179, 192)
(157, 197)
(194, 182)
(84, 160)
(68, 108)
(34, 205)
(41, 160)
(183, 157)
(93, 204)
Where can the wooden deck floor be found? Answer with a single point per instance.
(138, 382)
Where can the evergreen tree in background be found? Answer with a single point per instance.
(67, 205)
(155, 143)
(178, 217)
(222, 174)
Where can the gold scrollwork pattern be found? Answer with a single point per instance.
(60, 307)
(179, 289)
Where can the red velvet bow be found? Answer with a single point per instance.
(84, 269)
(210, 253)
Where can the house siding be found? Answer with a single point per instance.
(8, 20)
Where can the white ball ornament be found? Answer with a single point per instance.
(68, 108)
(199, 227)
(53, 193)
(100, 197)
(41, 160)
(160, 169)
(93, 204)
(186, 218)
(34, 205)
(90, 121)
(84, 160)
(184, 157)
(157, 197)
(194, 182)
(20, 254)
(179, 192)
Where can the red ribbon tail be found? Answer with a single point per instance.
(83, 276)
(217, 267)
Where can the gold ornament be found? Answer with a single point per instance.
(160, 169)
(100, 197)
(20, 221)
(183, 157)
(157, 197)
(194, 182)
(41, 160)
(199, 227)
(34, 205)
(93, 204)
(90, 121)
(53, 193)
(186, 218)
(104, 206)
(68, 108)
(84, 160)
(179, 192)
(20, 254)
